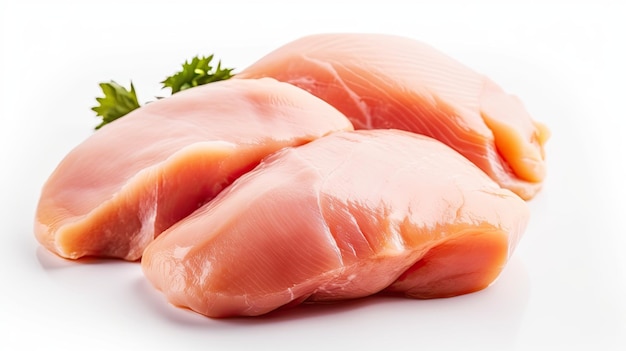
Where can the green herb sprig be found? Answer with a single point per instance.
(119, 101)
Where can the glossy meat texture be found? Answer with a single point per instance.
(132, 179)
(346, 216)
(384, 81)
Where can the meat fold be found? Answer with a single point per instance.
(346, 216)
(384, 81)
(135, 177)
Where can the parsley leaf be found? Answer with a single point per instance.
(196, 72)
(117, 102)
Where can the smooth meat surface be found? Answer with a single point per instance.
(384, 81)
(346, 216)
(132, 179)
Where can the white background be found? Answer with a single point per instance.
(565, 286)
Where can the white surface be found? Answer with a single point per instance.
(564, 287)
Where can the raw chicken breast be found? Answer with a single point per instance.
(137, 176)
(345, 216)
(384, 81)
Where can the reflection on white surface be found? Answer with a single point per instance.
(117, 291)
